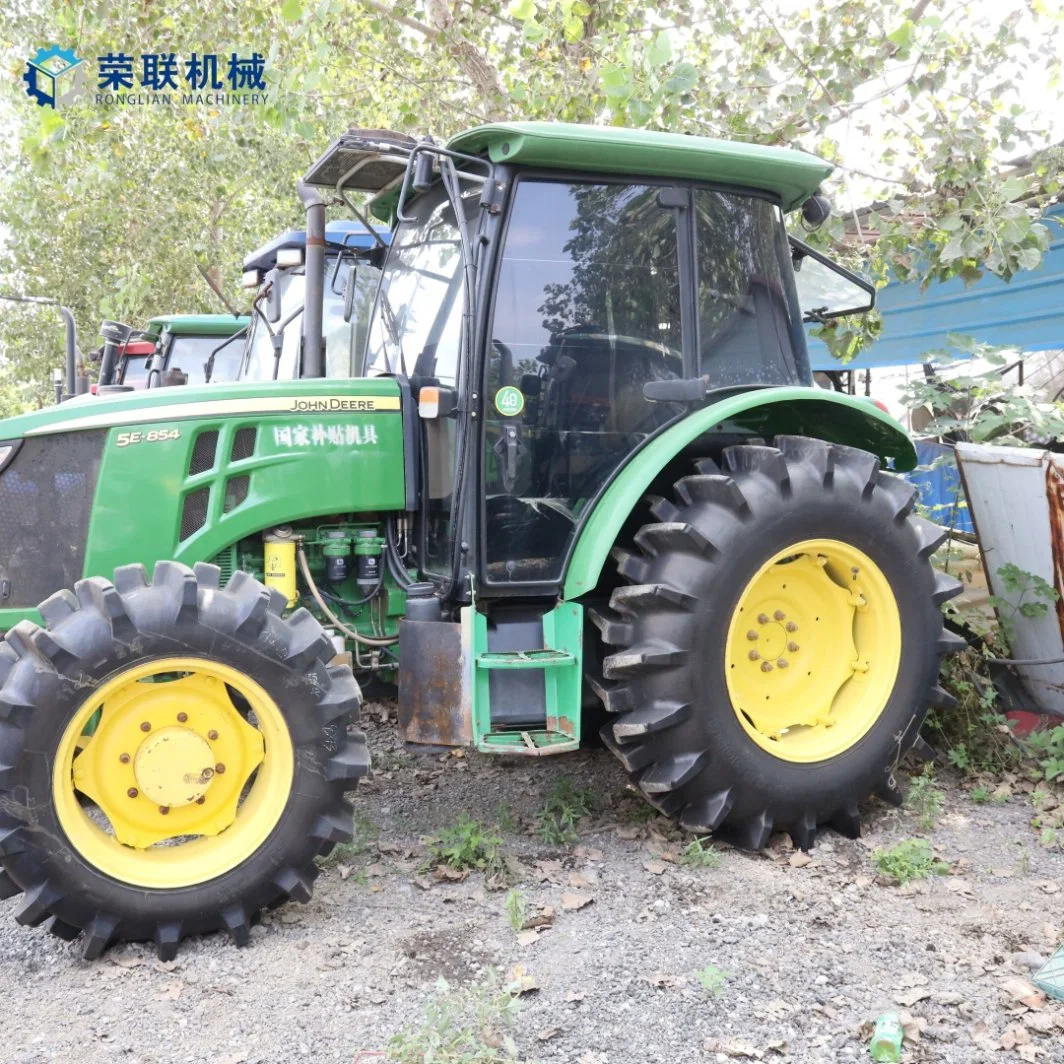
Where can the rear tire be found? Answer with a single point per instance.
(671, 690)
(93, 638)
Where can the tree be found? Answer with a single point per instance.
(919, 104)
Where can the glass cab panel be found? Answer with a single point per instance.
(587, 310)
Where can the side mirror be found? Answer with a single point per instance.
(273, 297)
(349, 293)
(531, 384)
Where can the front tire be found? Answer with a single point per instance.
(779, 642)
(172, 757)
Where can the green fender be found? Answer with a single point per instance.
(801, 411)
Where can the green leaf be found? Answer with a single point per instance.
(616, 82)
(534, 32)
(523, 10)
(640, 111)
(292, 10)
(902, 37)
(1029, 258)
(573, 29)
(954, 249)
(659, 51)
(684, 78)
(1014, 188)
(951, 222)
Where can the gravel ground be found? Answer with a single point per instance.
(804, 950)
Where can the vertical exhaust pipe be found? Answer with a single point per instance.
(71, 352)
(314, 292)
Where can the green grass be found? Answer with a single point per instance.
(465, 846)
(366, 835)
(908, 860)
(713, 979)
(461, 1025)
(565, 807)
(980, 795)
(698, 855)
(516, 908)
(925, 798)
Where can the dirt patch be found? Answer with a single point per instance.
(666, 962)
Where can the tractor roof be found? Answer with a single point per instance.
(341, 234)
(793, 176)
(196, 324)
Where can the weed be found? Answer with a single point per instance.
(1000, 797)
(908, 860)
(712, 979)
(461, 1025)
(565, 807)
(516, 908)
(465, 845)
(1023, 863)
(925, 799)
(1048, 747)
(980, 795)
(697, 855)
(505, 818)
(639, 812)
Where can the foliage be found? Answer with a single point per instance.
(1028, 595)
(980, 795)
(908, 860)
(565, 807)
(713, 979)
(698, 855)
(366, 833)
(925, 798)
(1048, 748)
(462, 1025)
(982, 406)
(465, 845)
(112, 209)
(516, 906)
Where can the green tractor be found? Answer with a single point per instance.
(583, 478)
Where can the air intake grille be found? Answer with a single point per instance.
(243, 444)
(194, 515)
(226, 560)
(46, 495)
(236, 491)
(203, 453)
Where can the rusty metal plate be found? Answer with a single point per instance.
(431, 708)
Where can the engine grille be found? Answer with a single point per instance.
(46, 498)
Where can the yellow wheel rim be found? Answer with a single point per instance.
(181, 787)
(813, 650)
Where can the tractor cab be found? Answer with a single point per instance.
(277, 272)
(185, 342)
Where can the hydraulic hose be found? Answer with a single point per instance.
(395, 562)
(363, 640)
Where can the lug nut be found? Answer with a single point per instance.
(124, 758)
(145, 726)
(791, 626)
(754, 655)
(752, 635)
(782, 663)
(766, 666)
(181, 718)
(780, 615)
(219, 768)
(164, 809)
(792, 647)
(212, 735)
(762, 618)
(132, 792)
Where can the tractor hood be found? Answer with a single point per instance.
(208, 400)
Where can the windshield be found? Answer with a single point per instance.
(417, 321)
(190, 353)
(343, 340)
(826, 289)
(134, 370)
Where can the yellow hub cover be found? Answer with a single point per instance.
(183, 785)
(813, 650)
(174, 767)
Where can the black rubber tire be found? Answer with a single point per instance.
(673, 726)
(93, 634)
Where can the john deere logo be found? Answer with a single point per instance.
(509, 401)
(54, 76)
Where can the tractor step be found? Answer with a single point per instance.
(526, 678)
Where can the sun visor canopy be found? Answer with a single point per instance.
(366, 159)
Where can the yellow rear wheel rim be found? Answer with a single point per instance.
(182, 786)
(813, 650)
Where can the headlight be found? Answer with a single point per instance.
(250, 279)
(290, 257)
